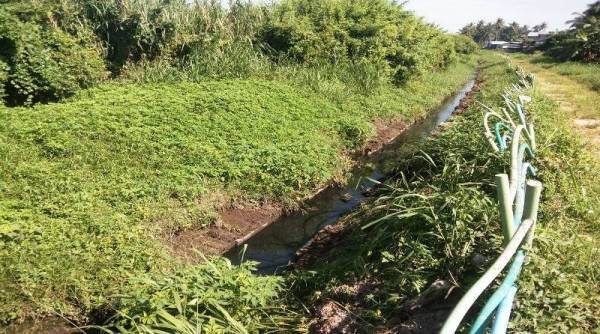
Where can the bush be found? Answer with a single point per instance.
(464, 44)
(44, 63)
(581, 42)
(376, 32)
(562, 46)
(132, 30)
(3, 78)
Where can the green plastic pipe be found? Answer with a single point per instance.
(506, 207)
(463, 306)
(515, 164)
(532, 204)
(496, 301)
(488, 133)
(504, 310)
(531, 131)
(480, 323)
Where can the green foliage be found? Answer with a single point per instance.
(3, 77)
(464, 44)
(440, 210)
(585, 73)
(424, 224)
(214, 297)
(556, 294)
(87, 185)
(379, 33)
(581, 42)
(483, 32)
(44, 63)
(132, 30)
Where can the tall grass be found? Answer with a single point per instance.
(89, 185)
(214, 297)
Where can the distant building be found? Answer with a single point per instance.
(505, 46)
(538, 38)
(495, 45)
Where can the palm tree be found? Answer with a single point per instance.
(590, 16)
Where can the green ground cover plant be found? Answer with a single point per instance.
(440, 211)
(89, 184)
(166, 41)
(556, 293)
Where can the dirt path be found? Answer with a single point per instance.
(580, 102)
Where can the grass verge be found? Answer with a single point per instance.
(586, 74)
(574, 95)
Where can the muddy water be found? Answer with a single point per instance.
(275, 246)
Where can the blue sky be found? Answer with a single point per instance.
(454, 14)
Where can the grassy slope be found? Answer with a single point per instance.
(431, 227)
(559, 292)
(85, 185)
(574, 93)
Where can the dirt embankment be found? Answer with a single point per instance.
(334, 236)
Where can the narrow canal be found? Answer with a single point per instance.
(276, 245)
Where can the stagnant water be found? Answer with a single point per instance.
(275, 246)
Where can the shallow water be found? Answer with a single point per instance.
(275, 246)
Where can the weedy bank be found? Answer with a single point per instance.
(191, 108)
(436, 221)
(89, 185)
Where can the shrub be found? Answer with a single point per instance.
(3, 78)
(464, 44)
(347, 31)
(44, 63)
(562, 46)
(132, 30)
(581, 42)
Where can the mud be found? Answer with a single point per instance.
(233, 225)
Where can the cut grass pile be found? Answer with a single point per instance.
(87, 186)
(440, 213)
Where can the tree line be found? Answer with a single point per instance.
(49, 49)
(483, 32)
(580, 42)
